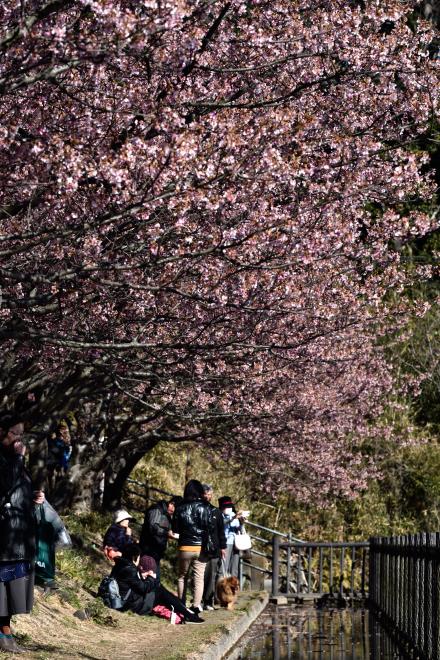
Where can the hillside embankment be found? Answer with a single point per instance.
(54, 630)
(71, 622)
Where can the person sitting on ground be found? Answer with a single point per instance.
(118, 536)
(141, 590)
(156, 529)
(191, 521)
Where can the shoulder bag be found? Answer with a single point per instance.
(242, 540)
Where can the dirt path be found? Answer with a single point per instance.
(52, 631)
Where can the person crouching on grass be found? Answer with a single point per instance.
(141, 590)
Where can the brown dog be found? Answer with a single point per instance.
(227, 589)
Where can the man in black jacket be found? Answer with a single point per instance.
(217, 535)
(156, 529)
(192, 522)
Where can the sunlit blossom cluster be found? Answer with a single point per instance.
(202, 207)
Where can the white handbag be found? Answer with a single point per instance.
(242, 540)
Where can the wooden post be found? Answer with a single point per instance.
(275, 565)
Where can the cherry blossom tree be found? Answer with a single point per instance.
(200, 208)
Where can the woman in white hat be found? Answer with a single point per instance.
(118, 536)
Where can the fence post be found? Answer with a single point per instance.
(436, 597)
(400, 584)
(289, 565)
(406, 586)
(240, 572)
(423, 562)
(275, 565)
(428, 591)
(364, 566)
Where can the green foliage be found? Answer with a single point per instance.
(101, 614)
(84, 564)
(88, 525)
(169, 466)
(69, 595)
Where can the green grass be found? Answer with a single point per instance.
(81, 568)
(70, 595)
(101, 614)
(84, 564)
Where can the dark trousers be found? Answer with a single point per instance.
(231, 562)
(210, 580)
(163, 597)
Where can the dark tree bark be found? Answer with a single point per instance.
(79, 489)
(118, 472)
(115, 478)
(38, 459)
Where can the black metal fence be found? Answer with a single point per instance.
(311, 570)
(405, 591)
(256, 564)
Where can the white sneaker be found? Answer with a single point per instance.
(209, 608)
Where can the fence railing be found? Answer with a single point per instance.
(405, 591)
(310, 570)
(146, 493)
(255, 569)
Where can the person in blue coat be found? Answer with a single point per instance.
(119, 535)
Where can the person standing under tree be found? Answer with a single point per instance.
(191, 521)
(218, 538)
(156, 529)
(232, 521)
(50, 533)
(17, 532)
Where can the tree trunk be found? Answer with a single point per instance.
(80, 489)
(115, 478)
(119, 469)
(38, 458)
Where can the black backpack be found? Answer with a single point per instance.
(109, 592)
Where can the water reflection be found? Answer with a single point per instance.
(283, 633)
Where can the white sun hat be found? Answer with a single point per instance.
(122, 515)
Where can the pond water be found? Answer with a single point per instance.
(294, 633)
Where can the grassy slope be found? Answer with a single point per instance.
(52, 631)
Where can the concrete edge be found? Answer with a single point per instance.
(222, 646)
